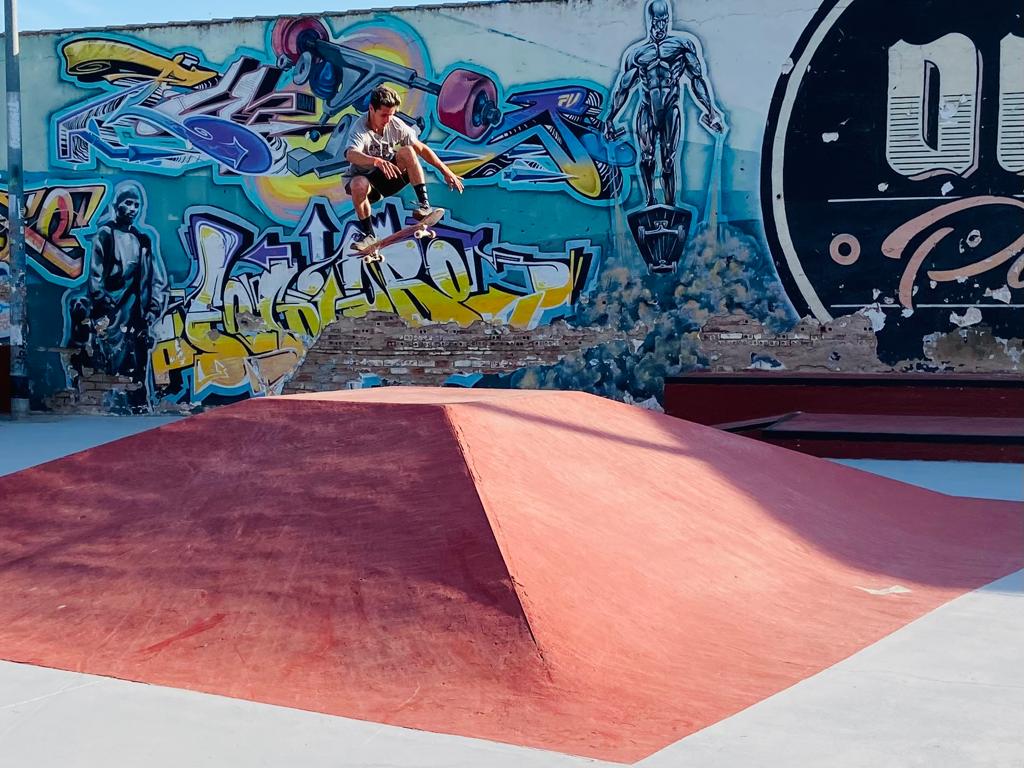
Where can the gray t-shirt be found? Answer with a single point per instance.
(384, 145)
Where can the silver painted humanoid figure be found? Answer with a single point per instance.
(658, 65)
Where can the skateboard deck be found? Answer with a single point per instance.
(421, 229)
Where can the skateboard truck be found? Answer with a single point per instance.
(661, 227)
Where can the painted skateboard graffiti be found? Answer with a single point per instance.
(661, 232)
(467, 102)
(118, 62)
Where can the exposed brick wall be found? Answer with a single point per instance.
(737, 342)
(383, 345)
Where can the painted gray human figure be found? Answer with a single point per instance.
(657, 65)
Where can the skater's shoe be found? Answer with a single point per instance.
(366, 246)
(422, 212)
(362, 241)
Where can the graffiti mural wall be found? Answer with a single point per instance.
(649, 188)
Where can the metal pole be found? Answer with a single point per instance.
(15, 224)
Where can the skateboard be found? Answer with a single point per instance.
(91, 60)
(419, 230)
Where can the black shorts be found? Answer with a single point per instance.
(381, 186)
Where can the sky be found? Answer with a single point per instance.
(76, 14)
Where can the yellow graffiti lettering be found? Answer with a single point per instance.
(247, 331)
(51, 221)
(448, 270)
(97, 58)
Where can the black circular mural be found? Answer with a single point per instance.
(893, 168)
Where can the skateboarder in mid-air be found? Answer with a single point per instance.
(385, 154)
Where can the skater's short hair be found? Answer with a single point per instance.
(383, 96)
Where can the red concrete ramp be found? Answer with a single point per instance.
(547, 569)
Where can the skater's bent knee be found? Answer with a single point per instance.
(359, 187)
(405, 155)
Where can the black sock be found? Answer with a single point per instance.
(421, 195)
(365, 226)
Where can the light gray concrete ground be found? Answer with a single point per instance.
(981, 480)
(51, 719)
(945, 692)
(38, 439)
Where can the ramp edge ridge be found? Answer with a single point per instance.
(493, 520)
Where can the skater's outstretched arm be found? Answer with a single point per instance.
(431, 157)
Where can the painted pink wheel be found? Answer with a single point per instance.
(288, 32)
(467, 103)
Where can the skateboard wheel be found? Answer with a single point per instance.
(303, 68)
(289, 35)
(468, 103)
